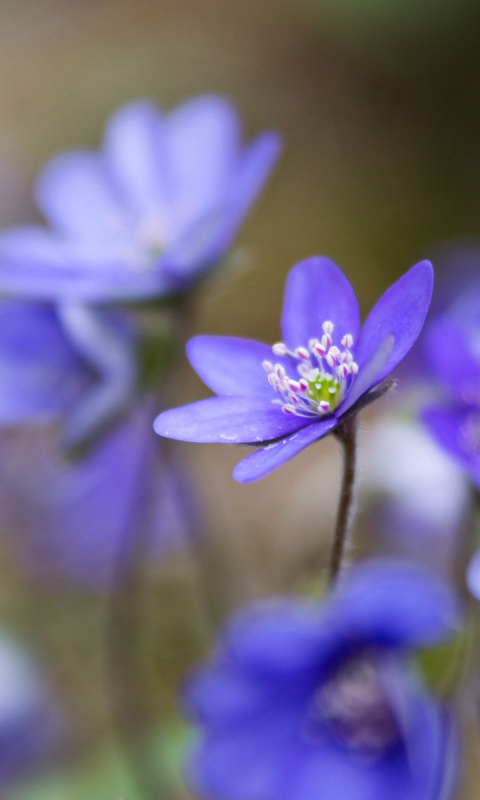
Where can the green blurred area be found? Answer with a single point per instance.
(379, 105)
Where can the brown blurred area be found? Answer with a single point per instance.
(378, 102)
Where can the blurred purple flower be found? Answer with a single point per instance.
(316, 385)
(41, 374)
(452, 343)
(304, 702)
(72, 364)
(148, 214)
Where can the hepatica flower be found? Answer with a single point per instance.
(71, 363)
(304, 701)
(159, 204)
(285, 397)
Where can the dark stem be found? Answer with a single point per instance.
(346, 433)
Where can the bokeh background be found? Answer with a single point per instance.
(378, 102)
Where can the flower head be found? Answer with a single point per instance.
(156, 207)
(304, 701)
(289, 396)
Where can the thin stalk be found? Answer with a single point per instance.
(347, 435)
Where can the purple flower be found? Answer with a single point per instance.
(325, 369)
(156, 207)
(305, 701)
(453, 356)
(41, 373)
(72, 364)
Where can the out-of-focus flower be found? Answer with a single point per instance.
(156, 207)
(72, 364)
(77, 522)
(324, 370)
(452, 343)
(29, 726)
(415, 496)
(305, 701)
(41, 374)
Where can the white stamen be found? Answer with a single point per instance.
(302, 352)
(319, 350)
(298, 396)
(326, 341)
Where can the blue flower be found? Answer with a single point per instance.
(325, 369)
(453, 358)
(303, 701)
(148, 214)
(71, 364)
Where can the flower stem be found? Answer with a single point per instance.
(347, 435)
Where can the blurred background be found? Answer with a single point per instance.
(378, 102)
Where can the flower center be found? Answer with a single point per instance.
(353, 707)
(152, 236)
(325, 373)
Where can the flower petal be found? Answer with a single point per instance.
(221, 694)
(228, 420)
(247, 762)
(395, 604)
(40, 373)
(232, 366)
(330, 773)
(74, 193)
(473, 575)
(203, 139)
(400, 312)
(453, 359)
(317, 291)
(134, 147)
(107, 346)
(36, 264)
(280, 637)
(264, 461)
(456, 432)
(209, 238)
(367, 376)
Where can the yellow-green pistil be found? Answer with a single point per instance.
(323, 387)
